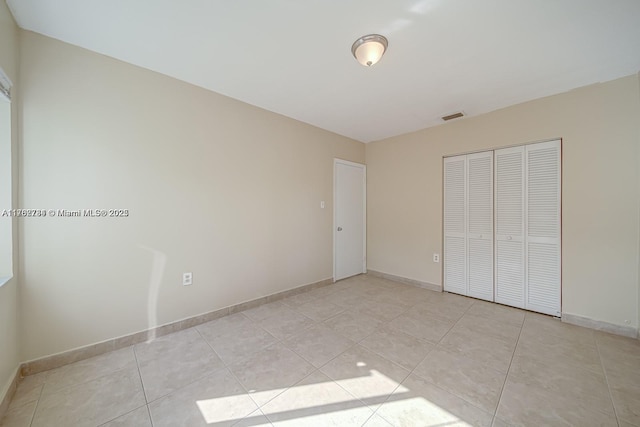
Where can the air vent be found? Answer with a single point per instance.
(453, 116)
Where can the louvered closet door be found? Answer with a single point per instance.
(455, 248)
(480, 225)
(510, 218)
(543, 195)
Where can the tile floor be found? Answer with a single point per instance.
(362, 352)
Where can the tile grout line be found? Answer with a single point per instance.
(126, 413)
(357, 343)
(235, 377)
(278, 341)
(149, 414)
(410, 371)
(144, 391)
(135, 356)
(69, 386)
(606, 379)
(233, 374)
(373, 411)
(437, 345)
(315, 369)
(191, 382)
(398, 386)
(457, 321)
(506, 377)
(33, 416)
(285, 390)
(85, 381)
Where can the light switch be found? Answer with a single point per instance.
(187, 279)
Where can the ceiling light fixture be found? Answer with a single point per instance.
(369, 49)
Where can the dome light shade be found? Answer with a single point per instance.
(369, 49)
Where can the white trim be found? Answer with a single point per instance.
(335, 214)
(600, 325)
(364, 218)
(405, 280)
(521, 144)
(337, 161)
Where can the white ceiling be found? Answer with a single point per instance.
(293, 57)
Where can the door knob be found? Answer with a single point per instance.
(508, 237)
(339, 228)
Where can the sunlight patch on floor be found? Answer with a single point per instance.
(421, 410)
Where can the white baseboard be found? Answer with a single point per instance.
(599, 325)
(412, 282)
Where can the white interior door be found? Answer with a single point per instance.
(468, 225)
(510, 218)
(455, 228)
(527, 238)
(480, 225)
(349, 231)
(543, 195)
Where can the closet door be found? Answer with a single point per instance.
(527, 239)
(480, 225)
(455, 207)
(543, 195)
(510, 220)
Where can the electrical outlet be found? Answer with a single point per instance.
(436, 257)
(322, 204)
(187, 279)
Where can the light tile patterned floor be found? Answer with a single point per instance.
(362, 352)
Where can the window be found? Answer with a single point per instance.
(6, 217)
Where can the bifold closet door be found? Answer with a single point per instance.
(510, 216)
(543, 207)
(468, 225)
(455, 237)
(480, 225)
(527, 221)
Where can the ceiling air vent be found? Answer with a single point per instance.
(453, 116)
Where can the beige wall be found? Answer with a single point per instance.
(9, 345)
(214, 186)
(601, 138)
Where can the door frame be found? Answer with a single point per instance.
(336, 162)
